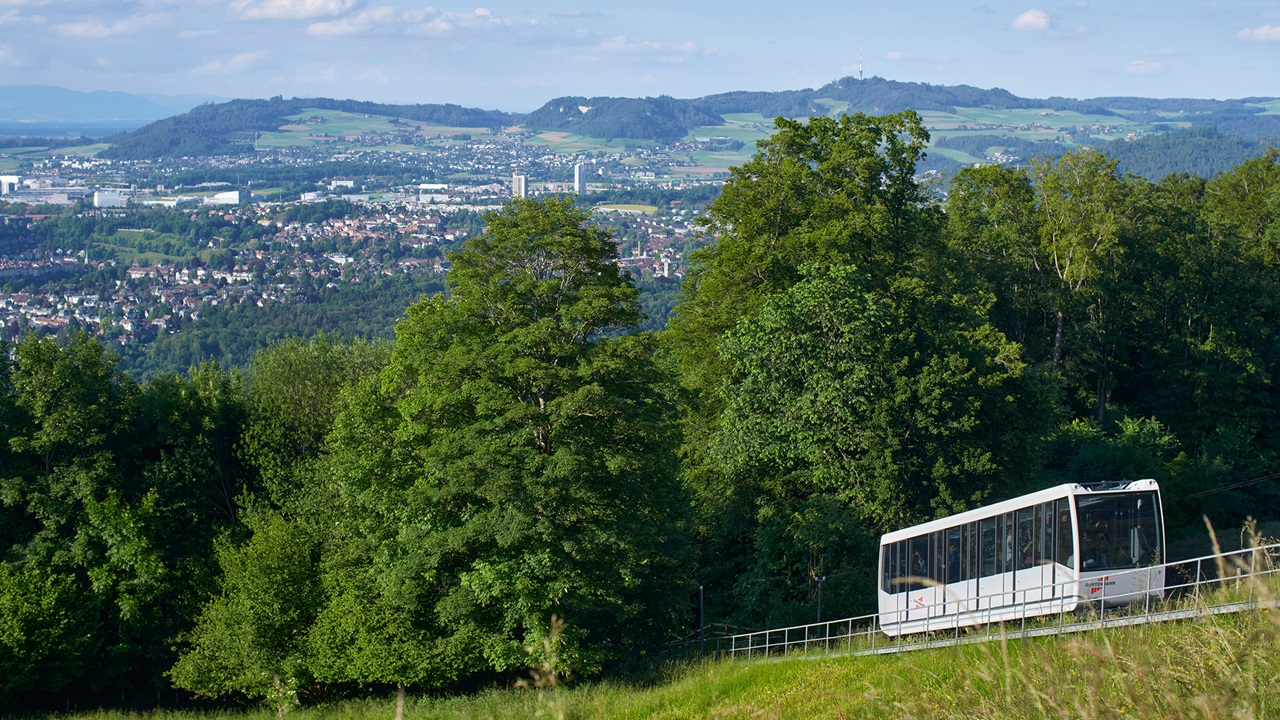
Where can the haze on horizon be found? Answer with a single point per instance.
(513, 56)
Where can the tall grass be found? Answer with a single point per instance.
(1224, 666)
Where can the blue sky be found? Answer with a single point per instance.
(517, 55)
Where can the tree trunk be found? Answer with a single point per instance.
(400, 701)
(1102, 388)
(1057, 339)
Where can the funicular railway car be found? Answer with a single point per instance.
(1040, 554)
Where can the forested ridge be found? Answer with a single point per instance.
(228, 128)
(521, 477)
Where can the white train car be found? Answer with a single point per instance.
(1040, 554)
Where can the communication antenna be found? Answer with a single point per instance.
(859, 63)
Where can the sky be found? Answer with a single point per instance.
(517, 55)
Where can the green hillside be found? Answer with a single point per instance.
(234, 127)
(1228, 666)
(967, 124)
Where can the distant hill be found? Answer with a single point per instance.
(975, 123)
(877, 95)
(1203, 151)
(228, 128)
(660, 118)
(37, 109)
(665, 118)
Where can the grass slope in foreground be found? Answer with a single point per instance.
(1225, 667)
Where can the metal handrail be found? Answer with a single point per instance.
(786, 640)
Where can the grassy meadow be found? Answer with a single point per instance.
(1213, 667)
(314, 127)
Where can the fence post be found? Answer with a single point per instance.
(1024, 615)
(1102, 600)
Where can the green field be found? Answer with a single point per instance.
(1215, 666)
(128, 255)
(146, 246)
(11, 158)
(957, 155)
(1034, 124)
(342, 130)
(564, 142)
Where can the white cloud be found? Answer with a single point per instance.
(427, 21)
(235, 63)
(1143, 67)
(1265, 33)
(292, 9)
(1032, 20)
(96, 29)
(895, 55)
(1166, 52)
(362, 22)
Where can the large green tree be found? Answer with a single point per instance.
(894, 405)
(548, 483)
(820, 193)
(826, 191)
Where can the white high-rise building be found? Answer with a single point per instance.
(580, 179)
(519, 185)
(109, 199)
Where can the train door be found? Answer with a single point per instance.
(1065, 571)
(990, 583)
(919, 594)
(970, 568)
(953, 569)
(1026, 569)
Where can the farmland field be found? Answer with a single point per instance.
(340, 130)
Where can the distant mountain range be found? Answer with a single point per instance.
(192, 125)
(35, 109)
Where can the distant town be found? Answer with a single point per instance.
(141, 282)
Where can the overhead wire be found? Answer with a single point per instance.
(1234, 486)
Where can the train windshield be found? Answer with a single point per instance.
(1119, 530)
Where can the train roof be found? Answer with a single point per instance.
(1022, 501)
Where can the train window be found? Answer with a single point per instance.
(953, 555)
(886, 567)
(939, 565)
(1024, 547)
(1066, 535)
(894, 567)
(987, 535)
(900, 568)
(918, 561)
(1044, 544)
(970, 551)
(1006, 543)
(1118, 530)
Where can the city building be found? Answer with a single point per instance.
(580, 179)
(519, 185)
(109, 199)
